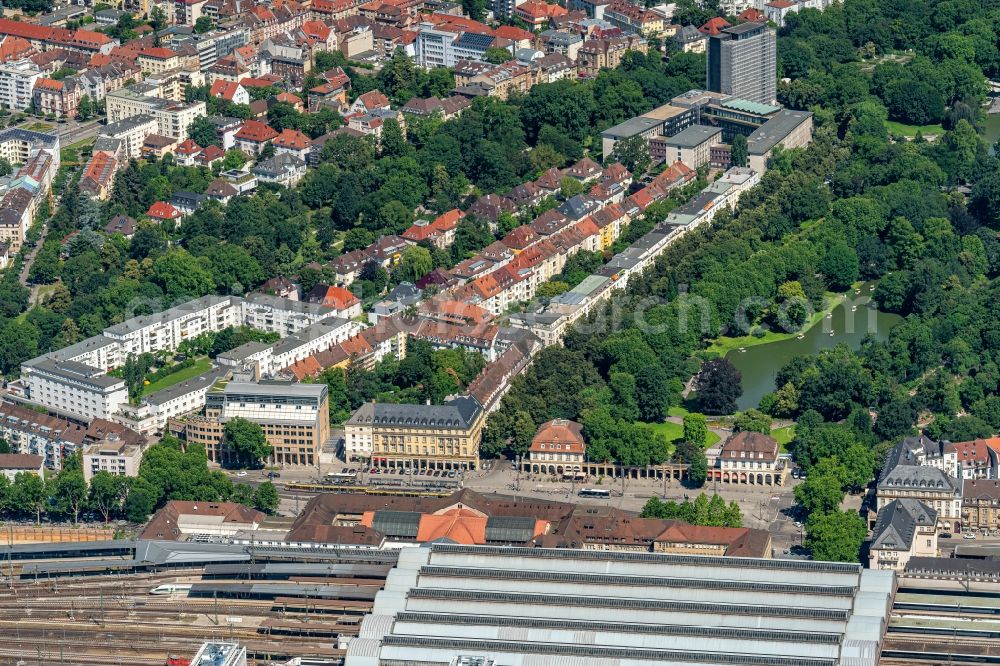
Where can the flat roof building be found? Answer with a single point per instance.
(691, 146)
(114, 455)
(295, 419)
(522, 606)
(742, 62)
(789, 129)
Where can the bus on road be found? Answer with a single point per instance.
(595, 492)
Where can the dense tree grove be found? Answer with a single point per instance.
(425, 374)
(167, 472)
(713, 512)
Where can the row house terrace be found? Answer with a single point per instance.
(482, 78)
(333, 10)
(267, 21)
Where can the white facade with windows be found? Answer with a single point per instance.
(17, 84)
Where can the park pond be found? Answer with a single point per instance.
(849, 322)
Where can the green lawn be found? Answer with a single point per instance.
(673, 431)
(722, 345)
(783, 436)
(900, 129)
(201, 365)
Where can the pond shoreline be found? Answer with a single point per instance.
(849, 319)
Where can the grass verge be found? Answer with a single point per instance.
(722, 345)
(200, 366)
(902, 129)
(783, 436)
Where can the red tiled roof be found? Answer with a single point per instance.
(714, 26)
(48, 84)
(339, 298)
(14, 47)
(514, 33)
(159, 53)
(188, 147)
(288, 98)
(459, 24)
(373, 99)
(222, 89)
(537, 10)
(161, 210)
(211, 153)
(448, 220)
(292, 139)
(256, 131)
(567, 434)
(259, 82)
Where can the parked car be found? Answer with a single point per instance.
(946, 535)
(968, 535)
(241, 473)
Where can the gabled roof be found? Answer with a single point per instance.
(514, 33)
(332, 296)
(161, 210)
(373, 99)
(222, 89)
(751, 15)
(754, 444)
(897, 524)
(158, 53)
(210, 154)
(288, 98)
(292, 139)
(188, 147)
(122, 224)
(256, 131)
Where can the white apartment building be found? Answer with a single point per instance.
(317, 337)
(73, 380)
(132, 132)
(165, 331)
(156, 409)
(114, 456)
(443, 48)
(74, 389)
(17, 145)
(358, 437)
(172, 118)
(30, 185)
(17, 84)
(281, 315)
(12, 464)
